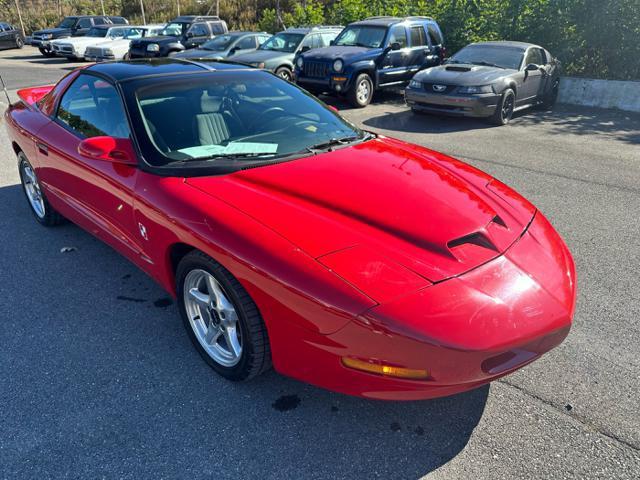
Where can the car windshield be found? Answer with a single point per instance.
(236, 116)
(97, 32)
(490, 55)
(173, 29)
(361, 36)
(220, 43)
(283, 42)
(119, 32)
(67, 22)
(132, 33)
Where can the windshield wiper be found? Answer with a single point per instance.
(333, 142)
(233, 156)
(487, 64)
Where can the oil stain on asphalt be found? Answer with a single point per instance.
(286, 402)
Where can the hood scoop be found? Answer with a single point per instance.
(458, 69)
(477, 238)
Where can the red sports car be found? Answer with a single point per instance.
(291, 238)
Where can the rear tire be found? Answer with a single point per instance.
(126, 57)
(43, 212)
(19, 42)
(361, 91)
(195, 275)
(504, 109)
(550, 98)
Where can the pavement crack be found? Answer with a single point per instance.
(580, 419)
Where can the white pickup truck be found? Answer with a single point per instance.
(118, 48)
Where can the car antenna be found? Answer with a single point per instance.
(4, 89)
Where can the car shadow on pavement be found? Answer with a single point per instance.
(576, 120)
(108, 384)
(408, 122)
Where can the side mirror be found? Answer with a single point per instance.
(189, 35)
(395, 46)
(109, 149)
(306, 48)
(333, 109)
(532, 67)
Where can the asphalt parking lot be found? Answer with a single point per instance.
(98, 378)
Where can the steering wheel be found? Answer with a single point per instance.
(263, 115)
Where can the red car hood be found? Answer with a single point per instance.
(409, 207)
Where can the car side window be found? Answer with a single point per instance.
(327, 37)
(199, 30)
(84, 23)
(262, 39)
(217, 28)
(418, 36)
(534, 56)
(100, 21)
(307, 42)
(247, 42)
(91, 107)
(434, 35)
(4, 27)
(398, 34)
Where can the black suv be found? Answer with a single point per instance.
(181, 33)
(10, 36)
(379, 52)
(75, 26)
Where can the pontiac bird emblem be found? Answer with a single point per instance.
(439, 88)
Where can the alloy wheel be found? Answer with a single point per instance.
(363, 91)
(32, 189)
(213, 317)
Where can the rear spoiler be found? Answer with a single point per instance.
(32, 94)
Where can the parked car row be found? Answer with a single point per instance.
(490, 79)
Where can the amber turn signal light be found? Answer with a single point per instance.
(386, 370)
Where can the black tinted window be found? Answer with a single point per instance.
(434, 35)
(199, 30)
(84, 23)
(398, 35)
(99, 21)
(92, 107)
(418, 37)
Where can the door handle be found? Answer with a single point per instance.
(42, 148)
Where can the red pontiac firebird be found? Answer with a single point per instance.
(291, 238)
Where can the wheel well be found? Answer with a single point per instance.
(176, 253)
(16, 148)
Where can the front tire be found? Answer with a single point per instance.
(284, 73)
(38, 204)
(504, 109)
(19, 42)
(221, 319)
(46, 53)
(361, 92)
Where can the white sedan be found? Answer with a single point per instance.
(118, 48)
(74, 47)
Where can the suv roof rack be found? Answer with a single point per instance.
(390, 17)
(195, 18)
(316, 27)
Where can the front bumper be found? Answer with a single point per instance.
(338, 83)
(481, 105)
(98, 58)
(466, 331)
(45, 44)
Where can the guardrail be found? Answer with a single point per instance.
(589, 92)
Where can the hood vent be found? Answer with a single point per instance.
(457, 69)
(478, 238)
(499, 221)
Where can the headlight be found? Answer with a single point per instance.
(476, 89)
(153, 47)
(47, 36)
(337, 66)
(108, 51)
(415, 84)
(300, 62)
(258, 64)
